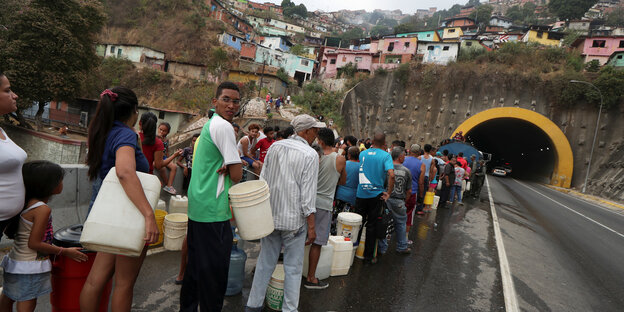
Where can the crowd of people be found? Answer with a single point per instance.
(312, 176)
(275, 103)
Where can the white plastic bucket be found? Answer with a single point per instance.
(275, 291)
(341, 261)
(114, 224)
(436, 201)
(252, 209)
(349, 224)
(178, 204)
(175, 230)
(323, 269)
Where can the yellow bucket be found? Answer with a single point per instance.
(428, 198)
(160, 219)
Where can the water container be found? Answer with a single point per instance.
(69, 276)
(323, 269)
(175, 230)
(275, 291)
(236, 274)
(349, 224)
(428, 198)
(353, 255)
(252, 209)
(160, 219)
(359, 252)
(178, 204)
(114, 224)
(341, 261)
(162, 205)
(436, 201)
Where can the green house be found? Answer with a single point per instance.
(616, 59)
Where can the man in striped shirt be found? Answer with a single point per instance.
(291, 170)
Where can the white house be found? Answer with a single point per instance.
(500, 21)
(134, 53)
(438, 52)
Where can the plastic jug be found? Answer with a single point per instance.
(178, 204)
(323, 269)
(343, 250)
(236, 274)
(275, 291)
(162, 205)
(114, 224)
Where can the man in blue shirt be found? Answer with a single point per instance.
(375, 166)
(415, 166)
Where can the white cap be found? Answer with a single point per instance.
(304, 122)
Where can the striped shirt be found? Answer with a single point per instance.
(291, 171)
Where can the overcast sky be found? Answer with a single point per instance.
(407, 6)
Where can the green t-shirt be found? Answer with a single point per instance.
(208, 191)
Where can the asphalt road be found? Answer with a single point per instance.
(565, 254)
(560, 260)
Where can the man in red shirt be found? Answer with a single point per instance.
(463, 162)
(265, 143)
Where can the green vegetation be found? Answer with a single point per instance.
(615, 17)
(283, 75)
(46, 48)
(298, 49)
(570, 9)
(218, 61)
(318, 100)
(347, 71)
(482, 15)
(291, 9)
(522, 14)
(592, 66)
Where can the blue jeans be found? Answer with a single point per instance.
(399, 214)
(456, 189)
(95, 189)
(294, 244)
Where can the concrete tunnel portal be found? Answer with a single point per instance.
(528, 142)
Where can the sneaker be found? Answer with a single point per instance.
(405, 251)
(420, 213)
(318, 285)
(461, 203)
(409, 242)
(170, 190)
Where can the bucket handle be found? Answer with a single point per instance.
(253, 173)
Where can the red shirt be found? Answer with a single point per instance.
(264, 145)
(150, 150)
(463, 162)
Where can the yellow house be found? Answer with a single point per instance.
(542, 37)
(452, 33)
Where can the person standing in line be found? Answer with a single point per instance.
(346, 194)
(414, 165)
(375, 169)
(152, 146)
(331, 173)
(288, 99)
(423, 181)
(291, 171)
(216, 165)
(457, 185)
(264, 144)
(400, 193)
(112, 143)
(12, 158)
(479, 178)
(447, 178)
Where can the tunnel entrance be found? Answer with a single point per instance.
(518, 145)
(531, 145)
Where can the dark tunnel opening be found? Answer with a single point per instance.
(518, 144)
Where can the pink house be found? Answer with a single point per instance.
(599, 48)
(334, 59)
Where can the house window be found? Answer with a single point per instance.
(621, 44)
(446, 48)
(358, 59)
(305, 62)
(391, 47)
(619, 56)
(161, 115)
(406, 45)
(58, 105)
(332, 61)
(430, 48)
(469, 43)
(451, 30)
(428, 35)
(599, 43)
(112, 51)
(119, 52)
(233, 39)
(540, 34)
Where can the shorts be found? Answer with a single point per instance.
(322, 222)
(24, 287)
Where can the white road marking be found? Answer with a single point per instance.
(618, 212)
(578, 213)
(509, 290)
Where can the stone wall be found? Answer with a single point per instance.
(47, 147)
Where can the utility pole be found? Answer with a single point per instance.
(261, 77)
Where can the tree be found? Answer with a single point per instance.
(570, 9)
(290, 9)
(515, 13)
(405, 28)
(528, 10)
(47, 49)
(616, 17)
(218, 61)
(482, 14)
(298, 49)
(380, 30)
(353, 33)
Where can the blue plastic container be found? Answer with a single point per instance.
(236, 274)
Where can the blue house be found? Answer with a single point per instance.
(232, 40)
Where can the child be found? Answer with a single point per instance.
(27, 266)
(163, 130)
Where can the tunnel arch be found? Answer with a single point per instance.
(564, 161)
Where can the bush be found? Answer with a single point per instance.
(347, 71)
(381, 71)
(403, 73)
(592, 66)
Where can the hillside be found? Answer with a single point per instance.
(180, 28)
